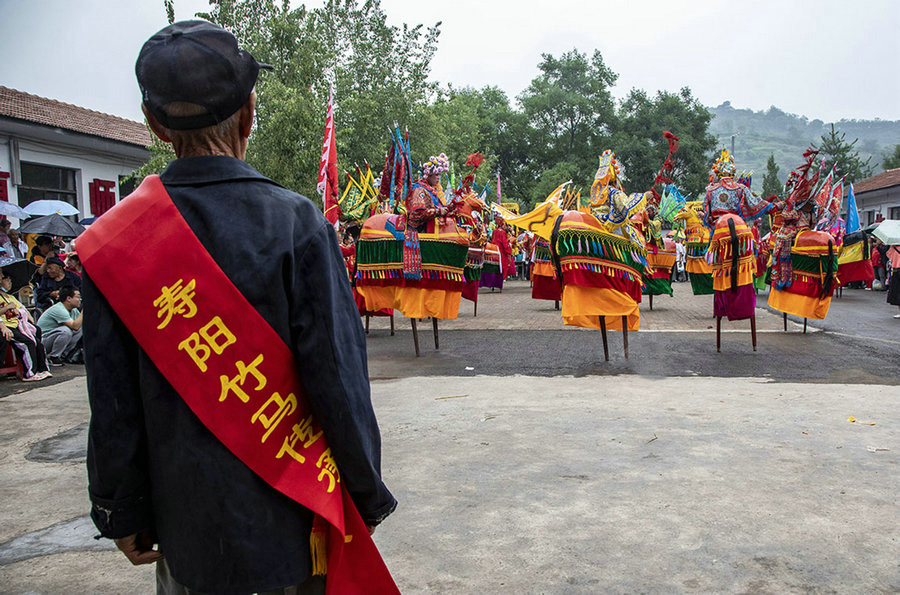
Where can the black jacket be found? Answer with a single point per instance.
(153, 465)
(48, 286)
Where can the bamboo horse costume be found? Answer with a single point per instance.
(732, 249)
(602, 258)
(414, 263)
(697, 240)
(804, 262)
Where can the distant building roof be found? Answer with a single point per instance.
(885, 179)
(49, 112)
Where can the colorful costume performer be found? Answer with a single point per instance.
(414, 262)
(804, 262)
(697, 240)
(601, 258)
(732, 250)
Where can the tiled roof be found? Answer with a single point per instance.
(24, 106)
(885, 179)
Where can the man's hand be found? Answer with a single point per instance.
(138, 548)
(7, 334)
(371, 529)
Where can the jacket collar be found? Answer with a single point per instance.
(209, 169)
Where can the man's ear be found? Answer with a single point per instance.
(246, 118)
(155, 126)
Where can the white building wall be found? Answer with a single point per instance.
(87, 165)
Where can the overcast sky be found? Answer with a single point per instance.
(826, 59)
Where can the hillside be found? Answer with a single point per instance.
(773, 131)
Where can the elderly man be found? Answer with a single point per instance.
(55, 278)
(238, 501)
(60, 326)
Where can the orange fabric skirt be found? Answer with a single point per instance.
(413, 302)
(583, 306)
(697, 265)
(799, 305)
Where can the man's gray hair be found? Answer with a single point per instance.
(182, 109)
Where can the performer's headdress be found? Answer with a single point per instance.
(436, 165)
(609, 171)
(802, 185)
(723, 167)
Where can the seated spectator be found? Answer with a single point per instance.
(5, 225)
(56, 278)
(61, 326)
(18, 329)
(42, 250)
(14, 246)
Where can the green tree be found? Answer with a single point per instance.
(840, 154)
(771, 184)
(569, 108)
(892, 160)
(638, 139)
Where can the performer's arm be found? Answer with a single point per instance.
(330, 348)
(119, 486)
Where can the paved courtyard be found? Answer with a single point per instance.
(544, 469)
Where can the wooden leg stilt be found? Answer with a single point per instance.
(804, 326)
(651, 301)
(753, 331)
(625, 334)
(367, 324)
(434, 325)
(605, 343)
(476, 307)
(392, 325)
(785, 321)
(415, 335)
(556, 304)
(718, 334)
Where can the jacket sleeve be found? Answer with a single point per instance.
(42, 294)
(330, 349)
(119, 486)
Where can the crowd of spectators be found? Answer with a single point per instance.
(42, 318)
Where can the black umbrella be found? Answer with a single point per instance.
(52, 225)
(19, 269)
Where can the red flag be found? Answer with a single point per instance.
(327, 186)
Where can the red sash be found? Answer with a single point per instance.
(230, 367)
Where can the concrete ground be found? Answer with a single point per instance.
(596, 477)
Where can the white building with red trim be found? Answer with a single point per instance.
(55, 150)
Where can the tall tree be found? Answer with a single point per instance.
(771, 184)
(569, 106)
(638, 139)
(838, 153)
(892, 160)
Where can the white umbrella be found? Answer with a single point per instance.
(888, 231)
(7, 209)
(49, 207)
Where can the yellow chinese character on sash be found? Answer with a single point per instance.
(236, 384)
(214, 337)
(176, 300)
(283, 407)
(300, 431)
(329, 469)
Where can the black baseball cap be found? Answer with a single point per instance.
(195, 62)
